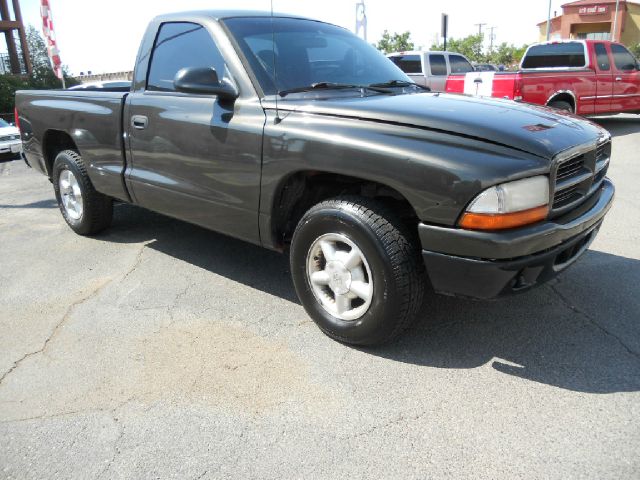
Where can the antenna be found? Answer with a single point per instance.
(275, 66)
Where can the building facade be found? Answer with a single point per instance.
(595, 20)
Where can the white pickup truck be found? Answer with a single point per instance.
(431, 68)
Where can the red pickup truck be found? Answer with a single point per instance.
(587, 77)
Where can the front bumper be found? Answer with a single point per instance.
(492, 264)
(11, 148)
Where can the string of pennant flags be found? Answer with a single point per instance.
(50, 39)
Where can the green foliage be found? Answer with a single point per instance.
(505, 54)
(42, 76)
(472, 47)
(398, 42)
(8, 86)
(635, 49)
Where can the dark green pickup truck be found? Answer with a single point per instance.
(298, 136)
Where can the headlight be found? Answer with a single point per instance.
(508, 205)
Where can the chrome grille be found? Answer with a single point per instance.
(580, 175)
(570, 168)
(566, 196)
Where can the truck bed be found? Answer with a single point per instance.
(534, 86)
(93, 119)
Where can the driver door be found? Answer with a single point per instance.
(194, 156)
(626, 85)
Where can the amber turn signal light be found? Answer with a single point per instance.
(502, 221)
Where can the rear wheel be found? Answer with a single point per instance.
(561, 105)
(84, 209)
(357, 270)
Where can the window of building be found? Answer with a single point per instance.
(601, 57)
(459, 64)
(408, 63)
(594, 36)
(550, 55)
(180, 45)
(622, 58)
(438, 64)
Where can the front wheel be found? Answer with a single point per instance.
(357, 270)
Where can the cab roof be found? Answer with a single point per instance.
(224, 14)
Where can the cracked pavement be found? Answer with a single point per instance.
(160, 350)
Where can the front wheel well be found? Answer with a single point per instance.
(54, 142)
(302, 190)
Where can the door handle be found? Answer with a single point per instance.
(139, 122)
(618, 79)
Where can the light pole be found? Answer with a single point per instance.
(615, 22)
(549, 22)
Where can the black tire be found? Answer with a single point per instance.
(392, 254)
(97, 208)
(562, 105)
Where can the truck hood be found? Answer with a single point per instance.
(530, 128)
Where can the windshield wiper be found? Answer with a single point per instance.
(331, 86)
(399, 83)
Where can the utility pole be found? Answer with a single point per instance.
(361, 19)
(479, 25)
(549, 22)
(445, 29)
(615, 22)
(491, 38)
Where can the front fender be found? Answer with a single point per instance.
(438, 173)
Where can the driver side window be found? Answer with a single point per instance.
(180, 45)
(622, 58)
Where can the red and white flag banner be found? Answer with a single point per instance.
(50, 37)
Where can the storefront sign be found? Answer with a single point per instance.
(595, 10)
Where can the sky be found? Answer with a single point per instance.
(102, 36)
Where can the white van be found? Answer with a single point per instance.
(431, 68)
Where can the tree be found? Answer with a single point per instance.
(42, 76)
(8, 86)
(506, 54)
(635, 49)
(470, 47)
(398, 42)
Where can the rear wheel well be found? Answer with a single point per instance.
(54, 142)
(299, 192)
(563, 97)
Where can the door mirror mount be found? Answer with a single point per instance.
(204, 80)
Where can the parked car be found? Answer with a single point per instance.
(298, 136)
(111, 85)
(486, 67)
(587, 77)
(10, 142)
(431, 68)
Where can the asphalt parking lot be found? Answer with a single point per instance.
(161, 350)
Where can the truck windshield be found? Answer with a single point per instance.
(287, 54)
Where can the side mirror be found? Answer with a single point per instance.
(203, 80)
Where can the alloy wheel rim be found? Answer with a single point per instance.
(71, 195)
(339, 276)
